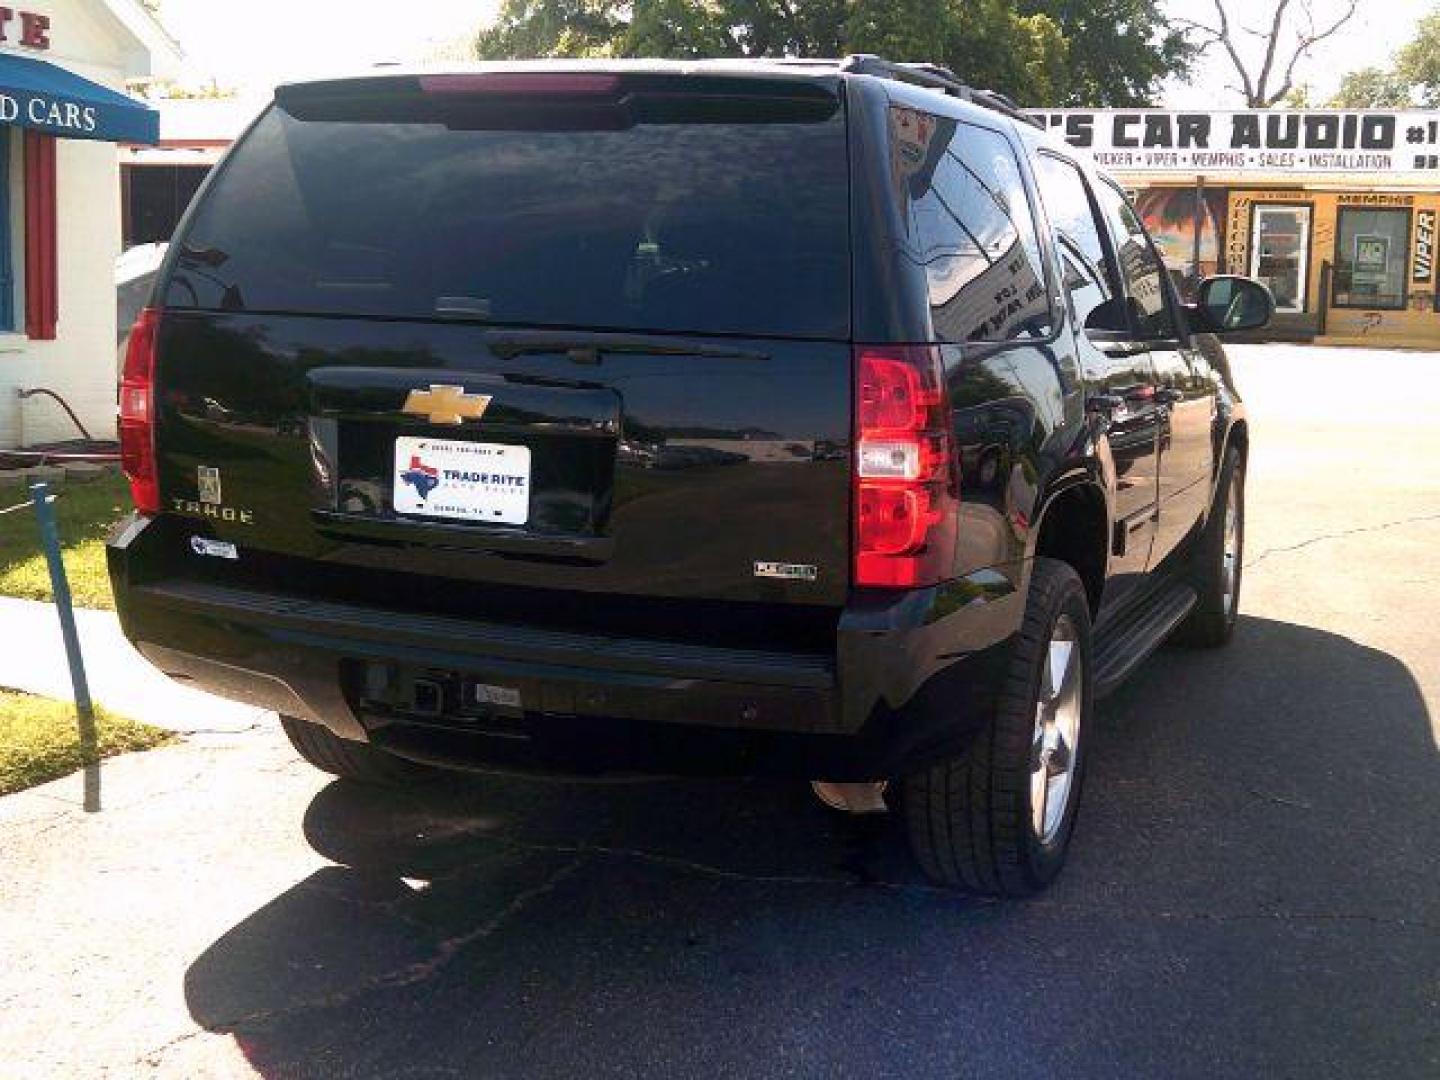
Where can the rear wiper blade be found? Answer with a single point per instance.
(587, 346)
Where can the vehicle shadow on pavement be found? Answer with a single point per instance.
(1223, 907)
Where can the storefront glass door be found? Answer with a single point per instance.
(1280, 253)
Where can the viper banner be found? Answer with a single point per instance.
(1285, 140)
(1422, 264)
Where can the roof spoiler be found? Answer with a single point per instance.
(529, 99)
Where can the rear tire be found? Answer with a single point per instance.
(998, 819)
(352, 760)
(1217, 562)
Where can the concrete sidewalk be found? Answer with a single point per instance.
(33, 660)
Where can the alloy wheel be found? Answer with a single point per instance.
(1056, 738)
(1230, 550)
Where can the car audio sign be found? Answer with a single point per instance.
(1284, 140)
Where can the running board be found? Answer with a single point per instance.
(1123, 644)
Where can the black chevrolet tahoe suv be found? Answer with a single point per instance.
(814, 419)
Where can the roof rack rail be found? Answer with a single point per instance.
(799, 61)
(936, 77)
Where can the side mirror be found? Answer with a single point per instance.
(1109, 317)
(1228, 302)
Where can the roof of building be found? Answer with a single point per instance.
(163, 52)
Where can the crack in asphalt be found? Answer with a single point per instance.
(158, 793)
(42, 826)
(409, 975)
(70, 813)
(673, 862)
(708, 870)
(449, 948)
(68, 810)
(1279, 800)
(702, 869)
(390, 908)
(1228, 917)
(219, 731)
(1341, 535)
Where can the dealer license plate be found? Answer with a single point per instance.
(471, 481)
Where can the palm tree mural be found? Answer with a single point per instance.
(1169, 215)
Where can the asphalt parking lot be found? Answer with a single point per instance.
(1254, 891)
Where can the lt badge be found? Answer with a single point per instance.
(209, 478)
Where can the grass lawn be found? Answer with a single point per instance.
(39, 740)
(85, 512)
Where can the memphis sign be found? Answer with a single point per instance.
(1278, 140)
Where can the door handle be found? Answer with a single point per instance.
(1119, 349)
(1103, 403)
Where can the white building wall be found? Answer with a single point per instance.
(80, 364)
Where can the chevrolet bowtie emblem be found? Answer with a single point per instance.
(446, 404)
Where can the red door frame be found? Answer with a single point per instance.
(42, 279)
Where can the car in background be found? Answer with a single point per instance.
(135, 270)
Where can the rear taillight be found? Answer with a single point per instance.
(906, 488)
(137, 413)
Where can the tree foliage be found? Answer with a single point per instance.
(1118, 51)
(1041, 52)
(1412, 78)
(1371, 88)
(1418, 63)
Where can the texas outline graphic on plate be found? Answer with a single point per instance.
(423, 478)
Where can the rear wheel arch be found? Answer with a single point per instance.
(1074, 529)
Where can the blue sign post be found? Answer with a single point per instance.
(60, 589)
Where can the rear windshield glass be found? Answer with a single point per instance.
(720, 227)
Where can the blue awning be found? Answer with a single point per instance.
(38, 95)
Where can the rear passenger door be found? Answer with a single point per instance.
(1184, 403)
(1118, 370)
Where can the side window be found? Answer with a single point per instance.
(1089, 275)
(1144, 273)
(971, 228)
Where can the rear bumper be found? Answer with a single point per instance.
(909, 681)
